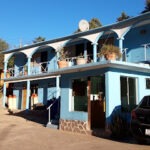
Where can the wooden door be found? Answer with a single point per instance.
(24, 97)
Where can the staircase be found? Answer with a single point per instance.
(53, 114)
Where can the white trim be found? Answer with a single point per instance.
(41, 78)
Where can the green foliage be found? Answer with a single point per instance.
(39, 39)
(63, 54)
(93, 23)
(123, 17)
(147, 6)
(110, 49)
(11, 62)
(3, 46)
(119, 126)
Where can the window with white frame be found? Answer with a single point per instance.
(128, 93)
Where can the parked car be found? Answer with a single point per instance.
(140, 121)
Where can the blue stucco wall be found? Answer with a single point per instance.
(134, 41)
(112, 85)
(46, 90)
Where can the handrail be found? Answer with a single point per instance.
(49, 107)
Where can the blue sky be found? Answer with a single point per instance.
(28, 19)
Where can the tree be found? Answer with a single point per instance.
(147, 6)
(93, 23)
(3, 46)
(39, 39)
(123, 17)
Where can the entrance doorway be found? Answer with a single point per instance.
(97, 100)
(24, 97)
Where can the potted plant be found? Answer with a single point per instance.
(62, 63)
(25, 70)
(81, 60)
(110, 52)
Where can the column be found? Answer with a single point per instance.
(29, 65)
(121, 44)
(5, 69)
(28, 96)
(94, 52)
(57, 87)
(85, 50)
(4, 93)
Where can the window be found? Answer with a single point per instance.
(147, 83)
(128, 93)
(145, 102)
(79, 99)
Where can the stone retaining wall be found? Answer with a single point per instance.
(73, 126)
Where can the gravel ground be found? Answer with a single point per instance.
(17, 133)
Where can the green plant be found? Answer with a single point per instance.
(106, 49)
(119, 126)
(25, 68)
(63, 54)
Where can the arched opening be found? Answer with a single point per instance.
(137, 43)
(108, 38)
(17, 64)
(43, 60)
(78, 48)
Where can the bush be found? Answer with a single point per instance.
(119, 126)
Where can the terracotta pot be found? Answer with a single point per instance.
(110, 56)
(62, 64)
(25, 73)
(81, 61)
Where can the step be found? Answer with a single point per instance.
(54, 126)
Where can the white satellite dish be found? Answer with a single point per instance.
(83, 25)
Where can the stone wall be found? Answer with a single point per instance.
(73, 126)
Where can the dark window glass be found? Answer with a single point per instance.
(148, 83)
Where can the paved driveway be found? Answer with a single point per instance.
(16, 133)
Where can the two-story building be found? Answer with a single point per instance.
(81, 88)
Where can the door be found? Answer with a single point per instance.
(24, 97)
(44, 61)
(97, 98)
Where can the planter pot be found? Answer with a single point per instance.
(81, 61)
(62, 64)
(25, 73)
(110, 56)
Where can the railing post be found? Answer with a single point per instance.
(29, 66)
(49, 116)
(57, 87)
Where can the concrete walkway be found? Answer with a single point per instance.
(16, 133)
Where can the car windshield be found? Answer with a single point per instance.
(145, 102)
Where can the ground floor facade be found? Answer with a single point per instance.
(89, 99)
(89, 95)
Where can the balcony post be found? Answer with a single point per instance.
(29, 66)
(95, 52)
(57, 87)
(4, 94)
(85, 50)
(28, 96)
(5, 69)
(121, 44)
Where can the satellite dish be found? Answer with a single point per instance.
(83, 25)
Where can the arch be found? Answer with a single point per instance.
(68, 41)
(36, 49)
(8, 56)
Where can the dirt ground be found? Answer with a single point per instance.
(18, 133)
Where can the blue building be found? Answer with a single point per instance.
(89, 93)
